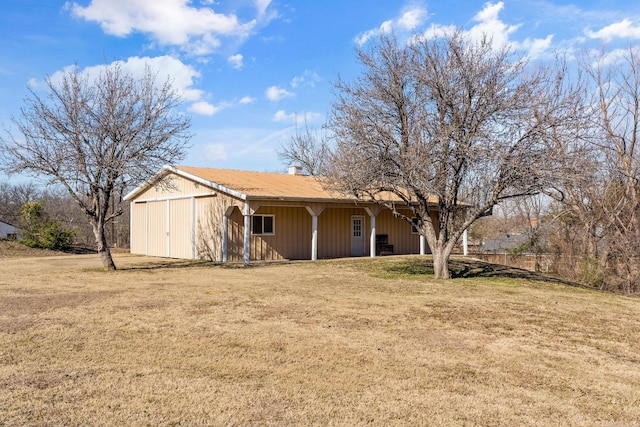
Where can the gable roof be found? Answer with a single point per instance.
(249, 185)
(258, 185)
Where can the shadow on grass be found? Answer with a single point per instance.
(161, 265)
(79, 250)
(195, 264)
(459, 267)
(468, 268)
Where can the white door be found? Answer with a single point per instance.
(357, 235)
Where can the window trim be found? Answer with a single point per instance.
(263, 216)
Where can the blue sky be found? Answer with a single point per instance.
(249, 70)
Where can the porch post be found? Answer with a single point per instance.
(465, 242)
(194, 228)
(423, 245)
(314, 237)
(168, 228)
(314, 210)
(372, 238)
(247, 233)
(372, 211)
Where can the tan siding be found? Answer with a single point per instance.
(292, 238)
(157, 229)
(138, 240)
(210, 213)
(209, 228)
(178, 186)
(236, 236)
(334, 232)
(399, 233)
(180, 229)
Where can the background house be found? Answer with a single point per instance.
(7, 231)
(503, 243)
(230, 215)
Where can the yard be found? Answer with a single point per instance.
(345, 342)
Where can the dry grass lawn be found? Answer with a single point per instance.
(346, 342)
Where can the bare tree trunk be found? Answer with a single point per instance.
(103, 247)
(441, 262)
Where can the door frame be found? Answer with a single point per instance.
(359, 248)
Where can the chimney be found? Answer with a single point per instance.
(295, 170)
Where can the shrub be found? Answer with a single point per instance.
(40, 232)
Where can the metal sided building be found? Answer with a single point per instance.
(241, 216)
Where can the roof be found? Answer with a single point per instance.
(265, 184)
(249, 185)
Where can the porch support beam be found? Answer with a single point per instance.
(247, 233)
(465, 242)
(373, 212)
(194, 228)
(314, 210)
(314, 237)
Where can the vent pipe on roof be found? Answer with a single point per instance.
(295, 170)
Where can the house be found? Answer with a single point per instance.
(504, 242)
(7, 231)
(231, 215)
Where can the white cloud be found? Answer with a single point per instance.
(308, 78)
(622, 29)
(236, 61)
(436, 30)
(535, 47)
(411, 17)
(261, 6)
(247, 100)
(615, 56)
(205, 108)
(171, 22)
(282, 116)
(181, 76)
(275, 93)
(490, 25)
(307, 117)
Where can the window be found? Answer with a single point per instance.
(262, 224)
(357, 227)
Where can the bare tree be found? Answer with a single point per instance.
(308, 148)
(13, 197)
(617, 96)
(96, 137)
(599, 190)
(448, 125)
